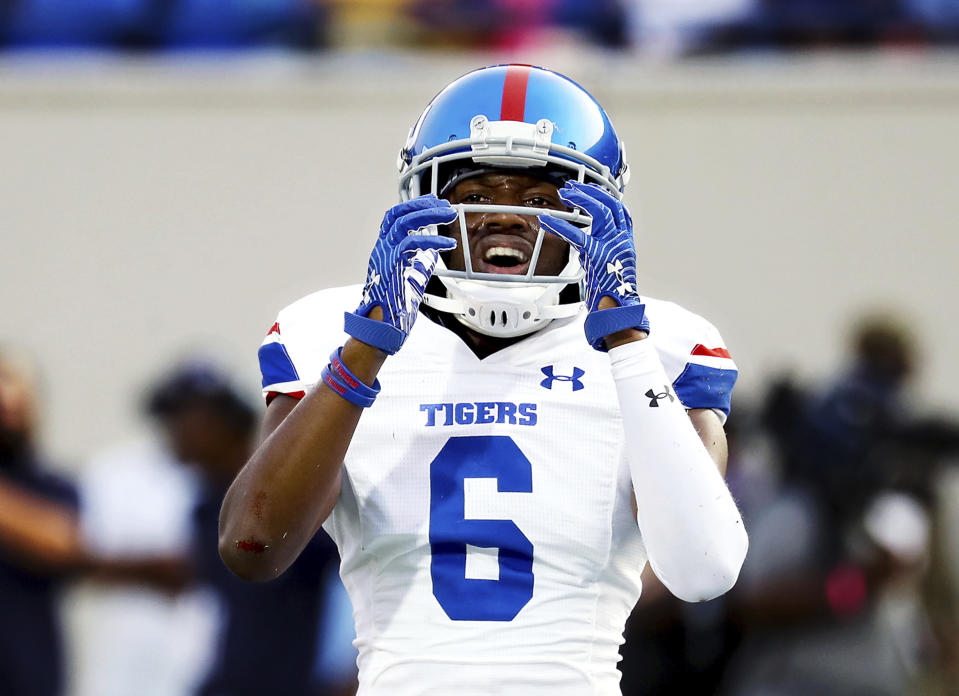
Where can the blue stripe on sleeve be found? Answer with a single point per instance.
(275, 364)
(700, 386)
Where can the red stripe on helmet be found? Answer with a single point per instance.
(514, 93)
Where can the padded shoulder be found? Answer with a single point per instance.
(694, 354)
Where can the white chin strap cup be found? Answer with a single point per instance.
(506, 305)
(514, 310)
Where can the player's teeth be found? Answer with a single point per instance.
(493, 252)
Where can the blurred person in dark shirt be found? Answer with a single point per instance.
(30, 641)
(208, 425)
(41, 544)
(836, 442)
(843, 542)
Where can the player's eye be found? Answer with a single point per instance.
(474, 198)
(540, 202)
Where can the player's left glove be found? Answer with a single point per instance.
(608, 256)
(400, 267)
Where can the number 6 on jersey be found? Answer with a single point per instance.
(470, 599)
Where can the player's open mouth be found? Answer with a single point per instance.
(503, 254)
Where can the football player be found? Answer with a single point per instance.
(497, 486)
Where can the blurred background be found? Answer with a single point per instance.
(176, 171)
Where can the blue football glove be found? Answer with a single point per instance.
(608, 256)
(400, 267)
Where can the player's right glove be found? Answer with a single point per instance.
(400, 267)
(608, 256)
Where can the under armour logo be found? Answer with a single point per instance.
(654, 397)
(616, 269)
(550, 378)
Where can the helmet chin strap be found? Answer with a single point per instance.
(503, 310)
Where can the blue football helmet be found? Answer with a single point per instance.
(515, 117)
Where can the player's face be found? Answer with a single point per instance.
(504, 242)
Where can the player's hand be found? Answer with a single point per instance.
(608, 256)
(400, 267)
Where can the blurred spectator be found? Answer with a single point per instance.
(40, 544)
(939, 17)
(372, 24)
(31, 662)
(208, 425)
(834, 24)
(456, 23)
(297, 24)
(601, 22)
(671, 27)
(831, 23)
(829, 598)
(851, 585)
(514, 24)
(138, 500)
(659, 27)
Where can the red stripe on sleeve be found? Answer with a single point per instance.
(700, 349)
(272, 395)
(513, 107)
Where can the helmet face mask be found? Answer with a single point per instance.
(501, 304)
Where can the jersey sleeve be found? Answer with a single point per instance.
(299, 343)
(696, 358)
(280, 375)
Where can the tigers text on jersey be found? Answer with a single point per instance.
(485, 521)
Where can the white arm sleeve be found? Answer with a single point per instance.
(691, 527)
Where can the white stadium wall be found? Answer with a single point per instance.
(152, 209)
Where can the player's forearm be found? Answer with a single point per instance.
(291, 483)
(169, 574)
(691, 527)
(42, 533)
(710, 431)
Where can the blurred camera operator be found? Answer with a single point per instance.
(829, 600)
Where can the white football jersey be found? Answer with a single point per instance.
(485, 522)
